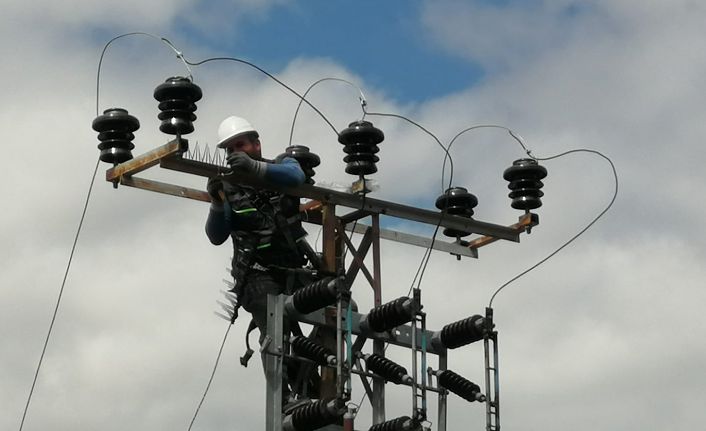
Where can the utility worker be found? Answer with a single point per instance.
(268, 237)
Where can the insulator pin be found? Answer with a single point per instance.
(457, 201)
(360, 142)
(387, 369)
(307, 160)
(460, 386)
(303, 346)
(313, 416)
(390, 315)
(403, 423)
(460, 333)
(177, 97)
(525, 177)
(315, 296)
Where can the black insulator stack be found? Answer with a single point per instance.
(303, 346)
(463, 332)
(403, 423)
(525, 177)
(385, 368)
(457, 201)
(315, 296)
(307, 160)
(315, 415)
(115, 129)
(360, 143)
(391, 315)
(460, 386)
(177, 98)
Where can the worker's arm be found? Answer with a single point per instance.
(217, 229)
(286, 173)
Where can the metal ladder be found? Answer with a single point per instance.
(492, 386)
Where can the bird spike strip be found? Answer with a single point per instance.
(206, 155)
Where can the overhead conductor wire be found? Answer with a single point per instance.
(421, 269)
(581, 232)
(210, 379)
(78, 230)
(363, 104)
(58, 300)
(361, 97)
(271, 76)
(520, 141)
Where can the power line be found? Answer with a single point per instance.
(271, 76)
(80, 224)
(61, 292)
(581, 232)
(213, 373)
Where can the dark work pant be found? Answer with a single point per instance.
(256, 287)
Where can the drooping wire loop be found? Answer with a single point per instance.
(302, 99)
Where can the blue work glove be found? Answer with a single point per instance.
(242, 163)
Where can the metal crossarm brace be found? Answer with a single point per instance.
(359, 256)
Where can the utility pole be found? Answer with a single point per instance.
(341, 348)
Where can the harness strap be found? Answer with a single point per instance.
(249, 352)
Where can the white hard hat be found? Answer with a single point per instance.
(233, 126)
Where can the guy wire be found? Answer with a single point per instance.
(581, 232)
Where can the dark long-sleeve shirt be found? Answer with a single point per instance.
(286, 173)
